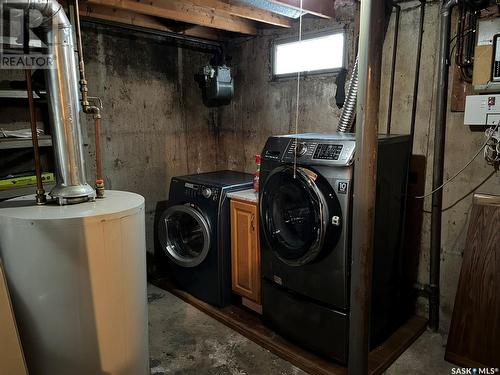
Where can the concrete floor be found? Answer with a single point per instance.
(184, 340)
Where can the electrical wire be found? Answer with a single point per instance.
(461, 169)
(492, 149)
(297, 103)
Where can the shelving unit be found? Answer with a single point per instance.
(13, 94)
(16, 94)
(13, 143)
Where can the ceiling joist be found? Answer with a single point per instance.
(183, 12)
(126, 17)
(244, 11)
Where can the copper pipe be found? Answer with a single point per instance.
(40, 192)
(81, 64)
(87, 107)
(99, 182)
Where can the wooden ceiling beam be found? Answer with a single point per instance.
(183, 12)
(321, 8)
(140, 20)
(244, 11)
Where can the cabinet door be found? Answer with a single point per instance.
(245, 254)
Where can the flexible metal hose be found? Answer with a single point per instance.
(349, 110)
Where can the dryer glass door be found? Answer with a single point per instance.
(184, 235)
(295, 213)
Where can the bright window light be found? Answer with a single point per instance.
(323, 53)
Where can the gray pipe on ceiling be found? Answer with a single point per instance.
(63, 100)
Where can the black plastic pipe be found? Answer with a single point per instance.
(393, 67)
(209, 44)
(417, 74)
(438, 162)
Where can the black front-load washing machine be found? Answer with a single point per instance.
(305, 213)
(194, 236)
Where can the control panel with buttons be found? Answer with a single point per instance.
(327, 152)
(198, 191)
(336, 152)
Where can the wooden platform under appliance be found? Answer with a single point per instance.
(250, 325)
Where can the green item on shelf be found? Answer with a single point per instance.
(10, 183)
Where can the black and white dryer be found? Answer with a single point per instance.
(194, 235)
(306, 224)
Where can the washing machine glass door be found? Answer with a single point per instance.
(295, 211)
(184, 234)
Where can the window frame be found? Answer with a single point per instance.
(305, 36)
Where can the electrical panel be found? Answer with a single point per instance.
(495, 74)
(482, 110)
(486, 71)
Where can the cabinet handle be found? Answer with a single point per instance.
(252, 222)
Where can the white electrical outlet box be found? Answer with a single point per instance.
(482, 110)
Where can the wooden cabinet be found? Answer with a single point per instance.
(245, 252)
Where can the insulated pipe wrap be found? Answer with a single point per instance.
(349, 110)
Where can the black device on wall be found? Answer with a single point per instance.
(306, 226)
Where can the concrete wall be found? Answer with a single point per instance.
(262, 107)
(154, 125)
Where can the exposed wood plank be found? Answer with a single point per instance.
(459, 90)
(474, 340)
(141, 20)
(251, 326)
(321, 8)
(12, 358)
(243, 11)
(183, 12)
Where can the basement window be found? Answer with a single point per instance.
(317, 54)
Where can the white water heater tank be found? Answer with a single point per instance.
(77, 278)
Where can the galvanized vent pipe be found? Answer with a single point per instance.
(438, 162)
(63, 99)
(349, 110)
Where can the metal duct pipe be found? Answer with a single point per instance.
(63, 100)
(438, 163)
(349, 110)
